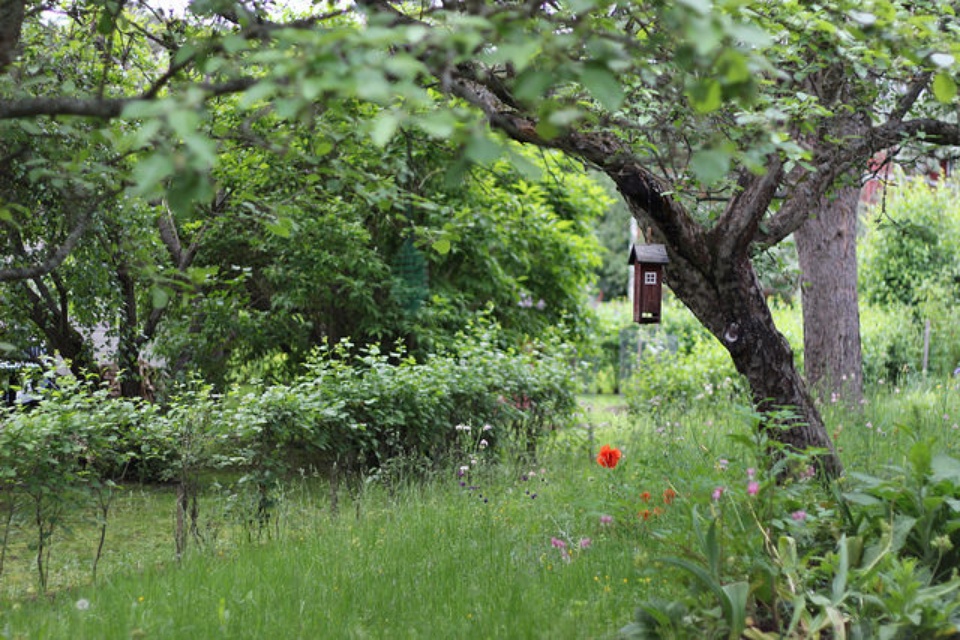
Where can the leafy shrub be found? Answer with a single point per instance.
(774, 558)
(681, 364)
(909, 266)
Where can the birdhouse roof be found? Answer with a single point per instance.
(648, 253)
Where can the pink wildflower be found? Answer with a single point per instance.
(753, 487)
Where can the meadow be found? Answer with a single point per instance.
(689, 527)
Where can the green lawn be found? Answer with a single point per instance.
(556, 548)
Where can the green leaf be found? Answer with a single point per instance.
(532, 85)
(482, 149)
(106, 23)
(706, 95)
(160, 297)
(944, 87)
(257, 93)
(442, 246)
(281, 226)
(944, 467)
(737, 595)
(384, 127)
(439, 125)
(603, 85)
(710, 165)
(151, 171)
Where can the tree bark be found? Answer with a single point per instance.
(11, 21)
(827, 249)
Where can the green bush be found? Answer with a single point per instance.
(910, 269)
(681, 363)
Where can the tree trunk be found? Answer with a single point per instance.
(827, 248)
(128, 350)
(714, 278)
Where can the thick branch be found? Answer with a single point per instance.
(53, 260)
(105, 108)
(738, 224)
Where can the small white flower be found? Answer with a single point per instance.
(487, 427)
(83, 604)
(464, 468)
(483, 444)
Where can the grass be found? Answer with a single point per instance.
(435, 558)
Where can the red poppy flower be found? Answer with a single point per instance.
(645, 514)
(668, 495)
(608, 457)
(645, 496)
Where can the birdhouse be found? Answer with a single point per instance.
(647, 261)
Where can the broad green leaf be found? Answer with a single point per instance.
(184, 122)
(706, 95)
(151, 171)
(482, 149)
(442, 246)
(702, 7)
(944, 467)
(603, 85)
(234, 43)
(281, 226)
(439, 125)
(261, 91)
(738, 594)
(710, 165)
(384, 127)
(944, 87)
(532, 84)
(160, 297)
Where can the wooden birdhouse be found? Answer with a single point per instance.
(647, 261)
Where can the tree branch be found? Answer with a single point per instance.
(55, 258)
(105, 108)
(739, 222)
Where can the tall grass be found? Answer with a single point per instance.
(559, 548)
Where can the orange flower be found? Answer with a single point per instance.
(645, 496)
(645, 514)
(657, 512)
(668, 495)
(609, 457)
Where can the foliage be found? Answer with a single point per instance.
(691, 524)
(680, 364)
(865, 558)
(365, 414)
(909, 268)
(910, 249)
(608, 348)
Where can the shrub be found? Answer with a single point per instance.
(679, 364)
